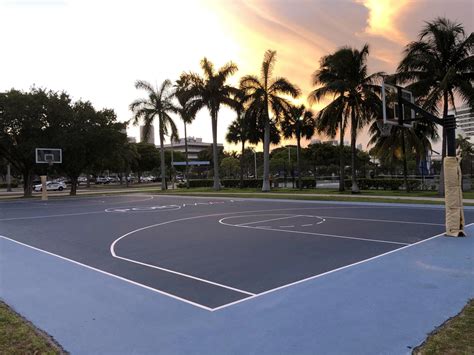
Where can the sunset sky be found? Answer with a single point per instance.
(95, 50)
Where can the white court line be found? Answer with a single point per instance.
(110, 274)
(221, 221)
(383, 220)
(268, 220)
(184, 275)
(216, 215)
(330, 272)
(287, 226)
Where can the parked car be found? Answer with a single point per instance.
(51, 186)
(102, 180)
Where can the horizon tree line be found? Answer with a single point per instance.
(437, 68)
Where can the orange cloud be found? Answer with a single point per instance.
(383, 15)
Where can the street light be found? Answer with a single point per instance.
(255, 161)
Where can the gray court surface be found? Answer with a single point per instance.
(219, 255)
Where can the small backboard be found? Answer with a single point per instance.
(390, 106)
(49, 156)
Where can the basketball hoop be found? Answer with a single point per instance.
(49, 159)
(384, 128)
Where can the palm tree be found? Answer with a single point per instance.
(343, 75)
(211, 91)
(159, 105)
(186, 112)
(393, 147)
(439, 67)
(264, 95)
(301, 124)
(238, 132)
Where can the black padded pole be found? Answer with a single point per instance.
(450, 125)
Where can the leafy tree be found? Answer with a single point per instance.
(211, 91)
(159, 105)
(343, 75)
(147, 160)
(265, 93)
(25, 124)
(230, 166)
(87, 137)
(299, 123)
(403, 142)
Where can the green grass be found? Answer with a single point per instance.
(294, 194)
(316, 195)
(18, 336)
(454, 337)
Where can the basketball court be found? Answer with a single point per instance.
(211, 255)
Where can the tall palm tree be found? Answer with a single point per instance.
(158, 104)
(211, 91)
(265, 94)
(300, 123)
(439, 66)
(187, 113)
(238, 132)
(343, 75)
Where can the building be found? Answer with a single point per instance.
(195, 145)
(465, 120)
(151, 135)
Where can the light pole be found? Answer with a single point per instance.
(9, 178)
(172, 163)
(255, 162)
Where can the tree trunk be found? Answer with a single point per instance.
(88, 181)
(73, 191)
(405, 167)
(266, 154)
(27, 183)
(355, 187)
(162, 157)
(341, 157)
(242, 165)
(443, 148)
(300, 186)
(186, 170)
(215, 152)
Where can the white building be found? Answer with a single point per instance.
(151, 135)
(465, 120)
(195, 145)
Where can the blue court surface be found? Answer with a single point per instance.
(149, 274)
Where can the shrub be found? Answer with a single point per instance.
(384, 184)
(3, 185)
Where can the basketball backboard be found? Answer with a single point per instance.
(390, 106)
(48, 156)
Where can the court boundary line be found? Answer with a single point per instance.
(164, 293)
(214, 215)
(332, 271)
